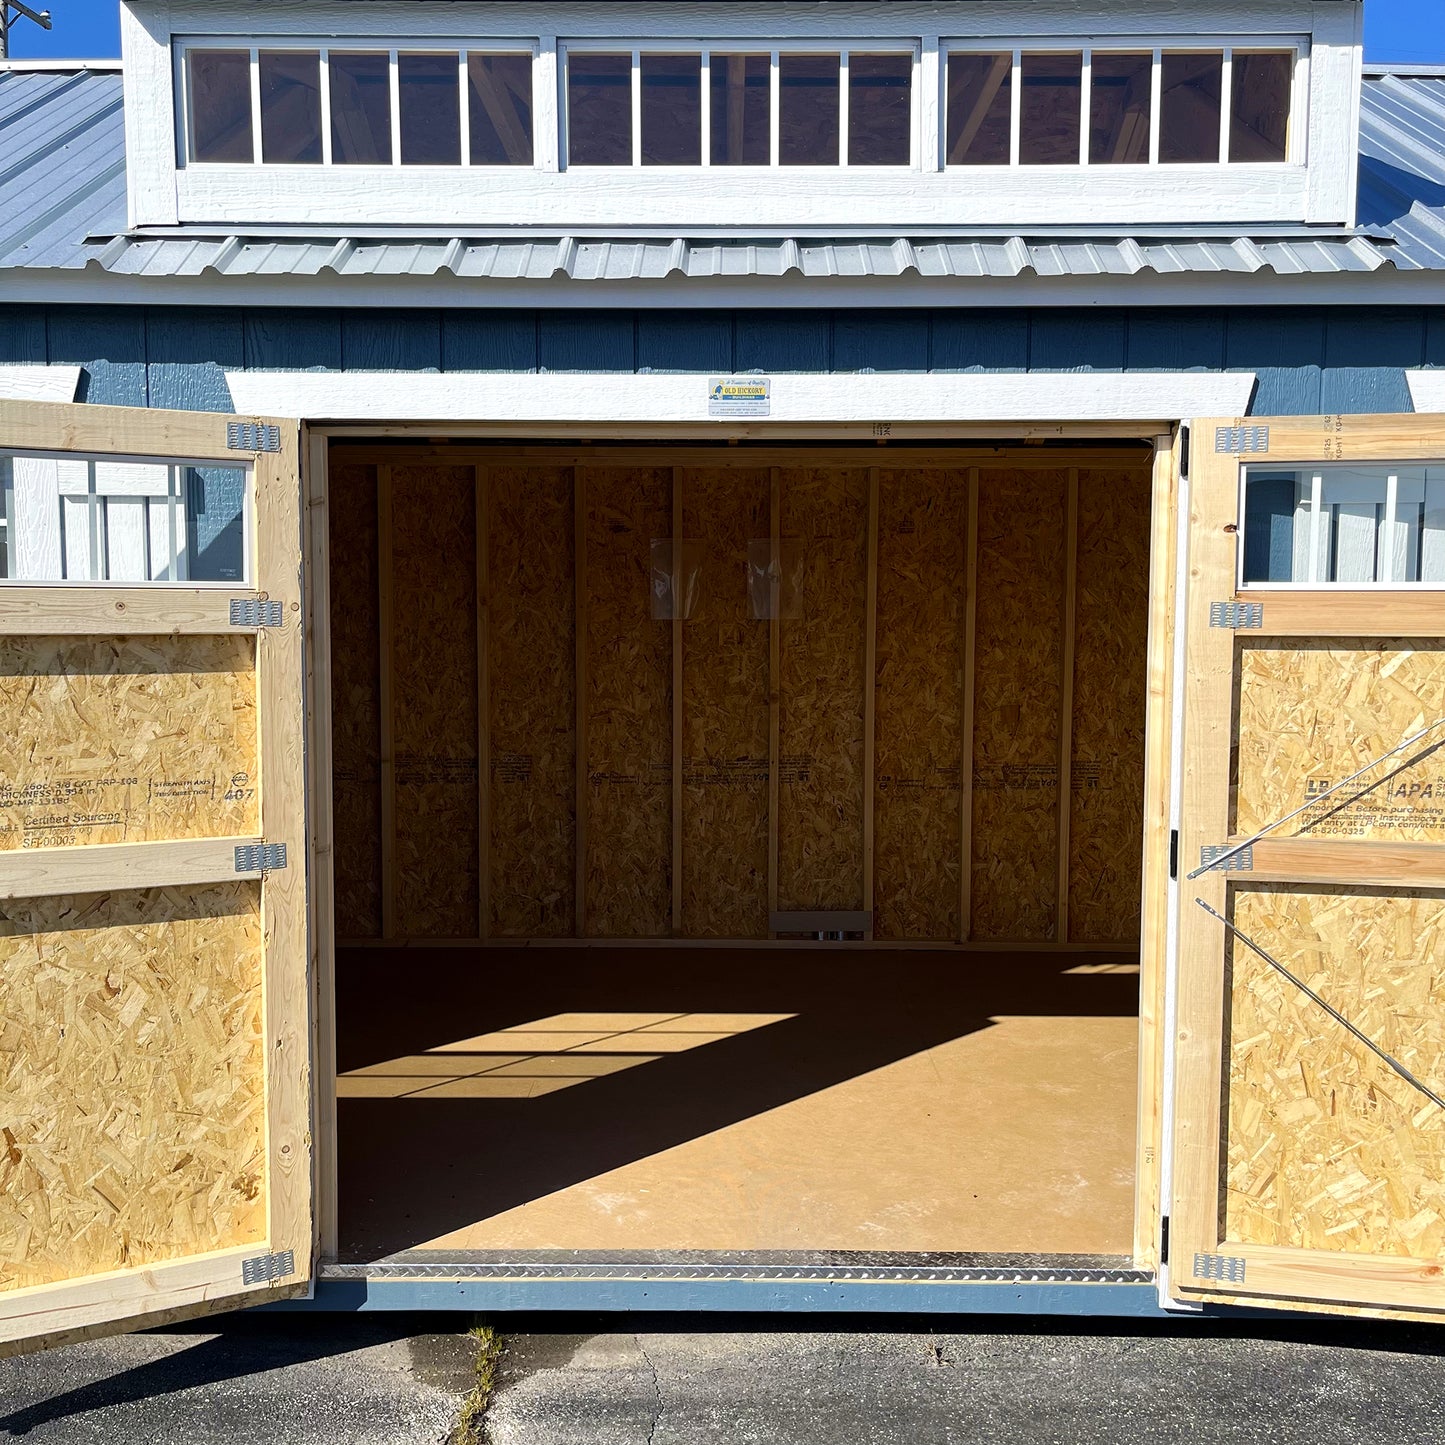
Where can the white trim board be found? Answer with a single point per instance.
(38, 383)
(590, 397)
(1427, 389)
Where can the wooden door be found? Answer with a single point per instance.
(1310, 1041)
(155, 1154)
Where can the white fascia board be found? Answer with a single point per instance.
(1427, 389)
(897, 397)
(39, 383)
(91, 285)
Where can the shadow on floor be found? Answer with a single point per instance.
(410, 1172)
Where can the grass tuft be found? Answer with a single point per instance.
(471, 1426)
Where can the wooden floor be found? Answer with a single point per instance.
(660, 1098)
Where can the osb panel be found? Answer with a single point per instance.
(1328, 1148)
(531, 694)
(355, 702)
(725, 712)
(434, 690)
(134, 1128)
(821, 684)
(1018, 636)
(126, 739)
(629, 707)
(1314, 711)
(922, 523)
(1111, 633)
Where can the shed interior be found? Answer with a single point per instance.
(737, 848)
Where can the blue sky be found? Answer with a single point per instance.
(1394, 30)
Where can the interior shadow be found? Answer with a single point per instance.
(411, 1170)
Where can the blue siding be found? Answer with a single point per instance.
(1309, 359)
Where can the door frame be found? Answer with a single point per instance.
(282, 1265)
(1166, 437)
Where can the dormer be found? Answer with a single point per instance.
(916, 114)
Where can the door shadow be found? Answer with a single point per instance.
(777, 1025)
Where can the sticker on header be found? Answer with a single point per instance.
(738, 396)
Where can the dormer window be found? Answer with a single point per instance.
(1119, 107)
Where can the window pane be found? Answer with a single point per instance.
(980, 103)
(360, 109)
(741, 109)
(808, 110)
(879, 113)
(220, 85)
(671, 110)
(73, 520)
(431, 110)
(1352, 538)
(290, 108)
(1189, 107)
(1053, 87)
(1119, 109)
(1259, 106)
(499, 109)
(599, 110)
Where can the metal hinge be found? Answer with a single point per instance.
(260, 857)
(1184, 435)
(1211, 855)
(252, 436)
(1174, 852)
(1226, 1267)
(1236, 615)
(256, 612)
(263, 1267)
(1164, 1239)
(1241, 439)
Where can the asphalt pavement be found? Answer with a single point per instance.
(401, 1380)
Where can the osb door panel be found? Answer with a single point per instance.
(155, 1147)
(1309, 1158)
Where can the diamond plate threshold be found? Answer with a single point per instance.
(804, 1267)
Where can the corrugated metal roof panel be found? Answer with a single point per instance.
(62, 206)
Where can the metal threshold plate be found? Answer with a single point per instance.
(804, 1267)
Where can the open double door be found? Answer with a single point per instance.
(155, 1040)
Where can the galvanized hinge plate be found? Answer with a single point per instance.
(1236, 615)
(252, 436)
(1211, 855)
(1226, 1267)
(256, 612)
(1241, 439)
(260, 857)
(262, 1268)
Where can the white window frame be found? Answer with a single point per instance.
(1296, 153)
(773, 49)
(184, 46)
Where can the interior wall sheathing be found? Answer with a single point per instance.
(531, 701)
(1111, 633)
(627, 706)
(126, 739)
(918, 720)
(1017, 672)
(1020, 852)
(824, 534)
(1312, 712)
(724, 710)
(433, 659)
(142, 1011)
(1328, 1147)
(355, 700)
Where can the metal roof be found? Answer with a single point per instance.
(62, 207)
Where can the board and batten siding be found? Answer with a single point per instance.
(1309, 360)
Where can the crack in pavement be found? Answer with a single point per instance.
(656, 1391)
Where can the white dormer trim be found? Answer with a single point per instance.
(1316, 184)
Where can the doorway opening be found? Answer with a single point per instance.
(737, 848)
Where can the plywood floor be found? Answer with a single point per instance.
(659, 1098)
